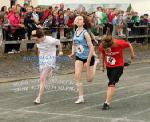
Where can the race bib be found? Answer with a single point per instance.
(79, 49)
(111, 60)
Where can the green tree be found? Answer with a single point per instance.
(129, 9)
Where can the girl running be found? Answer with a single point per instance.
(47, 57)
(83, 49)
(112, 57)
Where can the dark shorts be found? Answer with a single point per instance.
(85, 60)
(114, 74)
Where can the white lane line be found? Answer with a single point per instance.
(131, 77)
(86, 85)
(126, 120)
(6, 112)
(90, 117)
(131, 70)
(59, 114)
(140, 112)
(117, 100)
(100, 92)
(90, 84)
(129, 97)
(72, 115)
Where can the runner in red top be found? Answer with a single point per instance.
(112, 57)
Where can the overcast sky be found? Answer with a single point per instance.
(141, 6)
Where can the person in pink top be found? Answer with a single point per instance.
(15, 19)
(112, 57)
(11, 11)
(17, 28)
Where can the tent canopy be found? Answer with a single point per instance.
(88, 4)
(46, 2)
(138, 5)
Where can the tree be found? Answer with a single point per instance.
(129, 9)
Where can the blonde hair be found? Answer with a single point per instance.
(75, 20)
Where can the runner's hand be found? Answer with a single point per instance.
(60, 53)
(132, 57)
(103, 69)
(71, 55)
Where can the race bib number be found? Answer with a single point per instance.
(111, 60)
(79, 49)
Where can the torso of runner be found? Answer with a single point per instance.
(114, 58)
(81, 47)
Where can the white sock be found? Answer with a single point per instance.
(107, 103)
(80, 97)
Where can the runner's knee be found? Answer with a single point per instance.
(112, 84)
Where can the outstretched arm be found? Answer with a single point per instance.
(132, 54)
(72, 51)
(89, 42)
(102, 58)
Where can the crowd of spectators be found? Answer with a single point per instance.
(19, 21)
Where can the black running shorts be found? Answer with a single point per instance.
(85, 60)
(114, 74)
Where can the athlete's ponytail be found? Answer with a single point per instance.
(107, 40)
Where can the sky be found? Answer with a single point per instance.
(141, 6)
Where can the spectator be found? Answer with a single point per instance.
(29, 21)
(56, 8)
(104, 21)
(47, 12)
(23, 9)
(39, 12)
(3, 9)
(70, 25)
(6, 18)
(61, 7)
(111, 13)
(16, 26)
(98, 22)
(1, 20)
(35, 16)
(145, 19)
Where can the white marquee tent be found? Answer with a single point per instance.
(137, 5)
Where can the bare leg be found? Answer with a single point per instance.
(78, 73)
(91, 72)
(43, 76)
(110, 93)
(79, 84)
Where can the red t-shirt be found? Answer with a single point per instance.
(114, 58)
